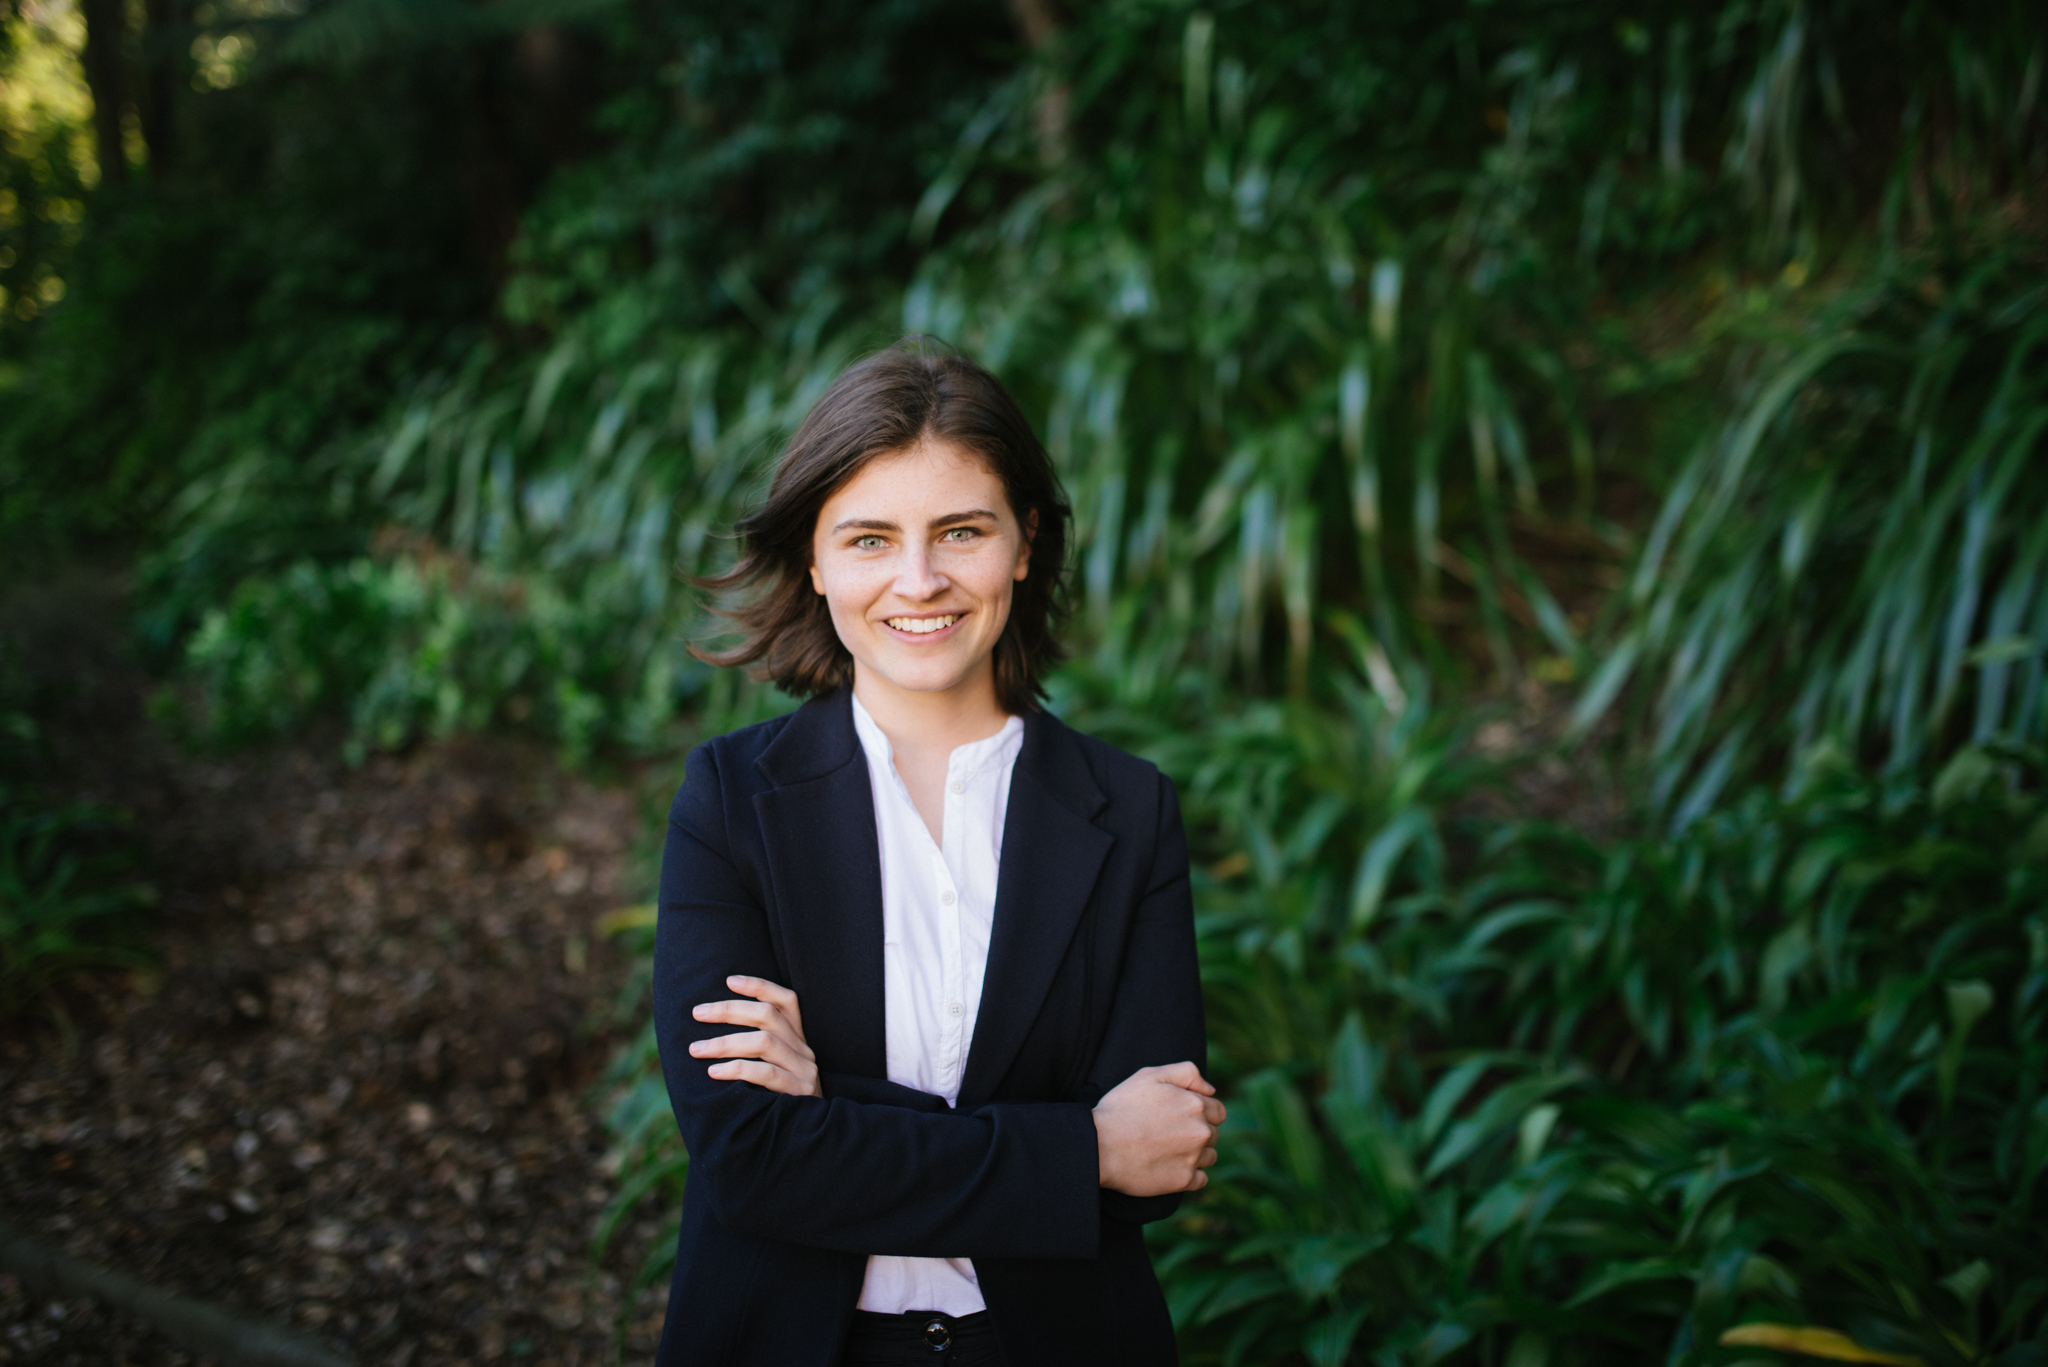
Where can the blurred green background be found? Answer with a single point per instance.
(1560, 485)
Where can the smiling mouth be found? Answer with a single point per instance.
(922, 626)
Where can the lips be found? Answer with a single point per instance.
(922, 626)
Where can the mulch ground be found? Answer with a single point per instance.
(359, 1093)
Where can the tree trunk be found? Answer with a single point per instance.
(106, 75)
(1039, 23)
(490, 171)
(556, 89)
(167, 66)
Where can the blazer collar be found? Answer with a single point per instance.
(1053, 757)
(1052, 854)
(825, 875)
(818, 739)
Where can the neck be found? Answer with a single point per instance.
(936, 721)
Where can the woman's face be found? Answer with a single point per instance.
(917, 556)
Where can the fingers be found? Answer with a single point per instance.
(1185, 1075)
(1212, 1111)
(775, 994)
(746, 1044)
(771, 1049)
(1199, 1179)
(759, 1015)
(761, 1057)
(760, 1074)
(761, 1046)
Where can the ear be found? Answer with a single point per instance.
(1030, 534)
(817, 580)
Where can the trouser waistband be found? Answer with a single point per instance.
(921, 1336)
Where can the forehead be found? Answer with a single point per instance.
(932, 479)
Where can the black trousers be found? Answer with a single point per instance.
(921, 1337)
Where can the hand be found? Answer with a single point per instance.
(773, 1054)
(1156, 1130)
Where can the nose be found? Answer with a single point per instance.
(917, 578)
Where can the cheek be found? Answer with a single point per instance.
(848, 589)
(995, 582)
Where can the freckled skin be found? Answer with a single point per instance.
(921, 536)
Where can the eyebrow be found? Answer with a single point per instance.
(949, 519)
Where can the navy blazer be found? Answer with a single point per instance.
(772, 869)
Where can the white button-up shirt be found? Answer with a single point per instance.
(938, 907)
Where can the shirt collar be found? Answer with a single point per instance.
(966, 760)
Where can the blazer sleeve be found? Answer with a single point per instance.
(1157, 1016)
(1011, 1180)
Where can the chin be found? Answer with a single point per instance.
(923, 680)
(922, 676)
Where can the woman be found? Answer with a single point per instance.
(925, 981)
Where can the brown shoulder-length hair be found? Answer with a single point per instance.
(916, 390)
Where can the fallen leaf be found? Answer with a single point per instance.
(1816, 1343)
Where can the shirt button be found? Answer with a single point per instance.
(946, 897)
(953, 1009)
(958, 787)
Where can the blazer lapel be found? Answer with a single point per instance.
(1051, 855)
(818, 824)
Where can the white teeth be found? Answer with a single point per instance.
(921, 626)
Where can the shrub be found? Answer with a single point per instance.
(422, 646)
(1601, 1104)
(69, 900)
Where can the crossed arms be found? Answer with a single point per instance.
(779, 1152)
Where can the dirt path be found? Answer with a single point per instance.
(356, 1097)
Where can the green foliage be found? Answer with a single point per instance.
(765, 166)
(259, 287)
(1589, 1104)
(68, 896)
(418, 647)
(1861, 552)
(46, 167)
(1305, 332)
(645, 1154)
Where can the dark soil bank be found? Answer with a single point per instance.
(356, 1097)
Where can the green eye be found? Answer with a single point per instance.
(868, 543)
